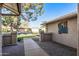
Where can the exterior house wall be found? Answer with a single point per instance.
(70, 38)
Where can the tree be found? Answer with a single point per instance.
(29, 30)
(32, 10)
(9, 21)
(6, 21)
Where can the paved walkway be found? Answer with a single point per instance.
(32, 49)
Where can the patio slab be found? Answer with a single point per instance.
(33, 49)
(14, 50)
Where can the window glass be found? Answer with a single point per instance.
(63, 27)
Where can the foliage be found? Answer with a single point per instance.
(29, 30)
(9, 21)
(25, 36)
(6, 20)
(33, 10)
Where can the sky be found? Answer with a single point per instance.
(52, 11)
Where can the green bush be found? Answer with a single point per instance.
(21, 36)
(19, 39)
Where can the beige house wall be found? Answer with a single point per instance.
(70, 38)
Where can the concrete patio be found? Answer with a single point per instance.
(14, 50)
(24, 48)
(33, 47)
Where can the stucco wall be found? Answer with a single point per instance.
(70, 38)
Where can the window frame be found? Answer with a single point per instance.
(65, 25)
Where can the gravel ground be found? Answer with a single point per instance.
(55, 49)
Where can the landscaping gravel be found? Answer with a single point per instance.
(55, 49)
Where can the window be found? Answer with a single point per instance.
(63, 27)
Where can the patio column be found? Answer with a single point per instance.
(18, 18)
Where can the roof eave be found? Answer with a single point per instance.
(62, 18)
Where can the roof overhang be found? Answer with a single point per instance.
(14, 7)
(65, 17)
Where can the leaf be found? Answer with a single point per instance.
(33, 10)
